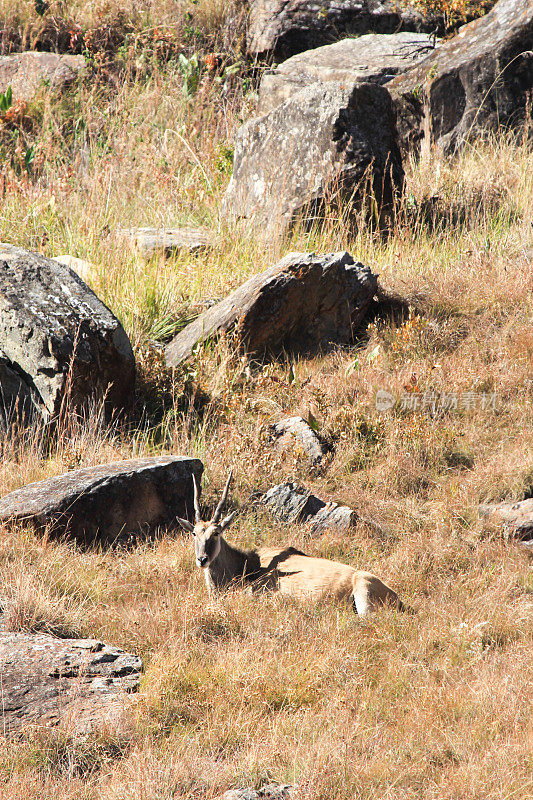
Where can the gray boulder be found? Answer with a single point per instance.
(291, 504)
(479, 80)
(517, 518)
(59, 338)
(327, 143)
(81, 684)
(168, 241)
(26, 72)
(282, 28)
(109, 501)
(374, 58)
(296, 433)
(303, 303)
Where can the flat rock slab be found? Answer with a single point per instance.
(291, 504)
(517, 518)
(374, 58)
(479, 79)
(271, 791)
(295, 432)
(302, 303)
(282, 28)
(26, 72)
(59, 338)
(107, 502)
(80, 683)
(169, 241)
(329, 143)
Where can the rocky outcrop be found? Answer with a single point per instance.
(327, 143)
(282, 28)
(107, 502)
(81, 684)
(479, 80)
(168, 241)
(304, 302)
(27, 72)
(60, 340)
(291, 504)
(374, 58)
(517, 518)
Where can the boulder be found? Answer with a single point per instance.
(271, 791)
(282, 28)
(291, 504)
(517, 518)
(296, 433)
(373, 58)
(326, 143)
(18, 402)
(82, 684)
(168, 241)
(27, 72)
(302, 303)
(59, 338)
(107, 502)
(480, 79)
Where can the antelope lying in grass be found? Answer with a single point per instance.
(286, 570)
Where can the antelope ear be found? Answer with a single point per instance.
(186, 525)
(227, 521)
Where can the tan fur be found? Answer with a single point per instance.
(285, 570)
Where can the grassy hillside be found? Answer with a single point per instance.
(237, 690)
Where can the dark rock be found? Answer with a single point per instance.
(26, 72)
(291, 504)
(169, 241)
(109, 501)
(282, 28)
(271, 791)
(374, 58)
(327, 143)
(61, 340)
(303, 302)
(81, 683)
(295, 432)
(18, 403)
(480, 79)
(517, 518)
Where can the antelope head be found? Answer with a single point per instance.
(207, 534)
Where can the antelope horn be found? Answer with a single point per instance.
(197, 516)
(218, 510)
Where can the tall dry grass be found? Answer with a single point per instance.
(239, 690)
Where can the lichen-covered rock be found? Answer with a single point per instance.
(326, 143)
(59, 338)
(480, 79)
(108, 501)
(82, 684)
(26, 72)
(289, 503)
(282, 28)
(373, 58)
(304, 302)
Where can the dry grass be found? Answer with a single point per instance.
(241, 690)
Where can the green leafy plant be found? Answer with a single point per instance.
(6, 100)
